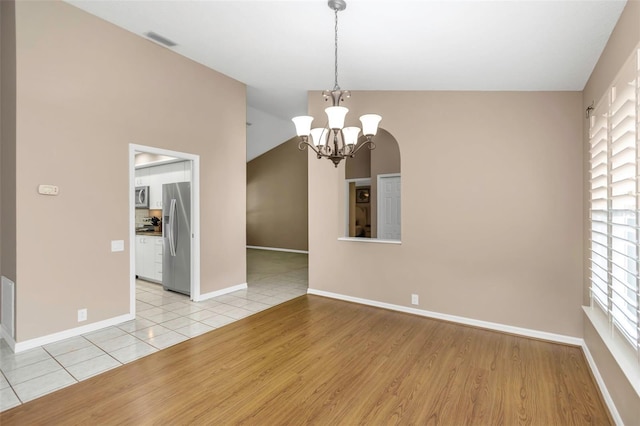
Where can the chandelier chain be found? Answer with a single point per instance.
(336, 86)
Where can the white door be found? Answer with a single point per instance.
(389, 207)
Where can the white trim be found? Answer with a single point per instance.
(4, 335)
(369, 240)
(603, 388)
(8, 321)
(132, 231)
(72, 332)
(525, 332)
(277, 249)
(195, 227)
(158, 163)
(622, 352)
(536, 334)
(363, 182)
(221, 292)
(195, 218)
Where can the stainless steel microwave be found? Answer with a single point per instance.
(142, 197)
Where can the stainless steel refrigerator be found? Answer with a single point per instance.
(176, 233)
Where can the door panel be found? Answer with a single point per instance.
(389, 214)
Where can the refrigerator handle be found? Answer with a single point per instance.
(172, 227)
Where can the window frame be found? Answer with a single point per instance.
(614, 219)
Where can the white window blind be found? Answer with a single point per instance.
(614, 186)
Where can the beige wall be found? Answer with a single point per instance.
(491, 209)
(359, 166)
(277, 198)
(623, 40)
(86, 90)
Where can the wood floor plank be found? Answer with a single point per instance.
(320, 361)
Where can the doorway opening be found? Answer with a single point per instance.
(153, 229)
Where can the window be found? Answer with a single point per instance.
(615, 192)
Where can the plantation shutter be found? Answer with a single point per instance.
(614, 190)
(599, 207)
(624, 205)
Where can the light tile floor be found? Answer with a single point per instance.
(162, 319)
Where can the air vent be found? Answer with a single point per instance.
(158, 38)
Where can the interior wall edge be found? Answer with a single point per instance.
(601, 384)
(278, 249)
(220, 292)
(502, 328)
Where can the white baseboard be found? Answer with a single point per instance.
(221, 292)
(72, 332)
(603, 388)
(77, 331)
(543, 335)
(525, 332)
(278, 249)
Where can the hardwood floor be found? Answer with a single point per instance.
(320, 361)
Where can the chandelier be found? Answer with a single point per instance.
(336, 142)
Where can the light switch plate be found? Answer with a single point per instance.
(117, 245)
(48, 189)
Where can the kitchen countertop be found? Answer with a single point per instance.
(150, 233)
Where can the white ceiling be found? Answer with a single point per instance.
(282, 49)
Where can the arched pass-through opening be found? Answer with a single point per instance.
(373, 196)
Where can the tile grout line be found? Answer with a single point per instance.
(274, 291)
(12, 389)
(60, 364)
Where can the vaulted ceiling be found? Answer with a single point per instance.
(282, 49)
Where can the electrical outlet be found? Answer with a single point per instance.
(82, 314)
(414, 299)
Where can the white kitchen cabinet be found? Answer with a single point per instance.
(165, 173)
(140, 253)
(187, 171)
(149, 257)
(142, 177)
(155, 192)
(158, 245)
